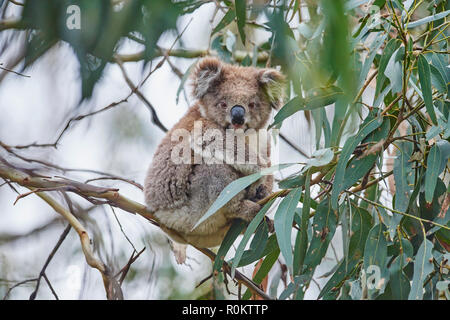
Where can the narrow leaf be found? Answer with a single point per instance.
(423, 266)
(234, 231)
(263, 271)
(428, 19)
(301, 242)
(283, 224)
(249, 256)
(425, 83)
(437, 79)
(248, 233)
(347, 150)
(234, 188)
(324, 227)
(241, 17)
(390, 48)
(402, 168)
(432, 172)
(226, 20)
(316, 98)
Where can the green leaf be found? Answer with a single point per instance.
(283, 219)
(301, 241)
(299, 282)
(432, 172)
(375, 254)
(324, 226)
(103, 27)
(234, 188)
(375, 46)
(248, 233)
(250, 256)
(294, 181)
(440, 62)
(221, 49)
(294, 105)
(316, 98)
(349, 146)
(241, 17)
(390, 48)
(226, 20)
(352, 4)
(437, 79)
(183, 81)
(399, 282)
(320, 158)
(402, 168)
(263, 271)
(321, 97)
(394, 70)
(428, 19)
(358, 167)
(423, 266)
(425, 83)
(234, 231)
(375, 251)
(259, 241)
(361, 223)
(334, 57)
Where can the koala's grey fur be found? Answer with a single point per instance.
(179, 194)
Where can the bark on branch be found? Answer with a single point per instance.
(37, 183)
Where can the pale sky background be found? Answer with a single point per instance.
(120, 141)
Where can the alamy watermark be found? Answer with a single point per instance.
(224, 146)
(73, 21)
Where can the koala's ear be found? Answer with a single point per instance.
(272, 82)
(207, 73)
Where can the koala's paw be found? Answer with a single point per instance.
(258, 192)
(262, 191)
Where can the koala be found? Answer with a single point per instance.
(229, 98)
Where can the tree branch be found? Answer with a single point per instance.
(111, 197)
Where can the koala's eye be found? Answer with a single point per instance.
(251, 105)
(222, 105)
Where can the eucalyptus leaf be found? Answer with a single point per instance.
(234, 188)
(283, 219)
(423, 266)
(432, 172)
(425, 84)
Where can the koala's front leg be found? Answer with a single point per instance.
(247, 210)
(244, 209)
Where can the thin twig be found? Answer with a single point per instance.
(47, 262)
(134, 89)
(16, 285)
(113, 198)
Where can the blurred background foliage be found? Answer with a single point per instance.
(372, 79)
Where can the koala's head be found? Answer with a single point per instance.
(235, 96)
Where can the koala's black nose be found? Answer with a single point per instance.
(237, 115)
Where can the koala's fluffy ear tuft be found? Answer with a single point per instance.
(207, 73)
(272, 82)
